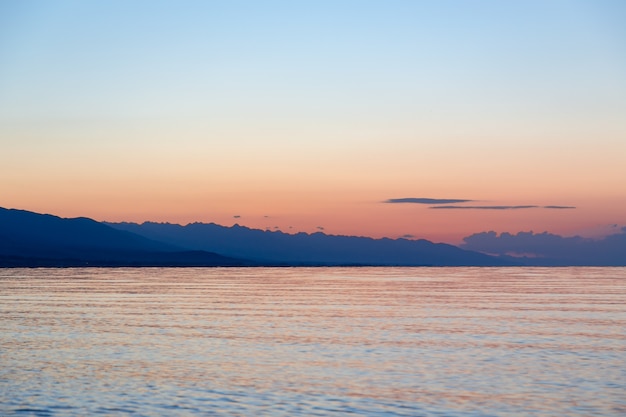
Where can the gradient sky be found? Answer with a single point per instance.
(305, 115)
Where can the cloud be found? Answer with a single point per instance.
(500, 207)
(427, 200)
(551, 249)
(407, 236)
(483, 207)
(559, 207)
(237, 216)
(451, 204)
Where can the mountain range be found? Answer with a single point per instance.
(308, 249)
(29, 239)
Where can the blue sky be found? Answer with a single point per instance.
(307, 104)
(169, 59)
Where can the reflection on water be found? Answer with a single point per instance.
(318, 341)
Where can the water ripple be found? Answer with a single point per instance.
(313, 341)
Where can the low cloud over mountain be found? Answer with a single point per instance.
(550, 249)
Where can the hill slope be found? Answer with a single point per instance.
(32, 239)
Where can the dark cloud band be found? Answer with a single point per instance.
(427, 200)
(483, 207)
(559, 207)
(499, 207)
(451, 204)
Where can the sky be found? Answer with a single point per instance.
(369, 118)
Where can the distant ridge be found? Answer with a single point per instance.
(30, 239)
(309, 249)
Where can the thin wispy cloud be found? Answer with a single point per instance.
(500, 207)
(483, 207)
(559, 207)
(420, 200)
(458, 204)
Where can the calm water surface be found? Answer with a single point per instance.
(318, 341)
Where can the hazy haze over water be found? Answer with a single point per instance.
(318, 341)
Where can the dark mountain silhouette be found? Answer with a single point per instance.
(546, 249)
(308, 249)
(31, 239)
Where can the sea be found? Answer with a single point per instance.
(313, 342)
